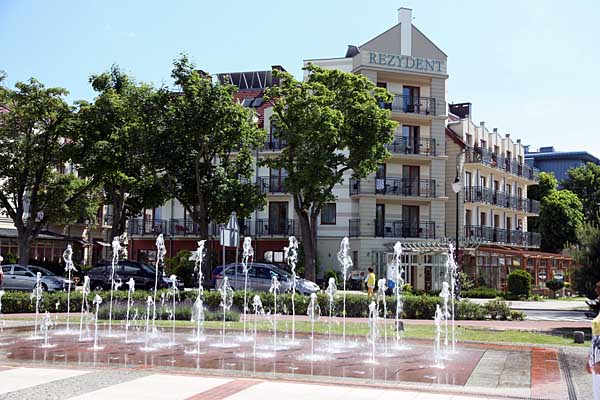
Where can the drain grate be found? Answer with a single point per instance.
(566, 370)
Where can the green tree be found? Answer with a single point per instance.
(333, 126)
(35, 146)
(561, 214)
(519, 283)
(202, 148)
(545, 186)
(111, 130)
(585, 183)
(587, 255)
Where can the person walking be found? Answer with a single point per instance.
(593, 364)
(371, 279)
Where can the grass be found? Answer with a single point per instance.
(412, 331)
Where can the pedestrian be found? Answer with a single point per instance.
(593, 364)
(370, 279)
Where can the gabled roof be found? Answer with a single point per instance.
(389, 42)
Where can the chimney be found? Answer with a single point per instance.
(519, 141)
(405, 21)
(495, 130)
(508, 135)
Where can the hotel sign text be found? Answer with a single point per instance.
(408, 63)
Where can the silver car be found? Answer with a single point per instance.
(18, 277)
(260, 277)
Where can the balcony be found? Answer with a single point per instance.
(394, 187)
(152, 227)
(479, 194)
(498, 161)
(425, 147)
(178, 227)
(271, 184)
(403, 229)
(275, 228)
(505, 236)
(412, 105)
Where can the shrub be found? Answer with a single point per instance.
(183, 267)
(330, 273)
(466, 283)
(469, 311)
(519, 283)
(517, 315)
(497, 309)
(555, 285)
(481, 293)
(407, 288)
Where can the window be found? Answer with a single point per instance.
(382, 85)
(469, 139)
(411, 139)
(328, 214)
(21, 271)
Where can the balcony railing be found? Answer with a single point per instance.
(394, 187)
(506, 236)
(274, 145)
(354, 228)
(141, 226)
(272, 184)
(178, 227)
(425, 146)
(479, 194)
(487, 157)
(404, 229)
(266, 227)
(412, 105)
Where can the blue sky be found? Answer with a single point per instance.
(530, 67)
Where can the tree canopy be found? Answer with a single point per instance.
(587, 255)
(201, 149)
(561, 215)
(546, 185)
(333, 126)
(110, 131)
(38, 184)
(585, 183)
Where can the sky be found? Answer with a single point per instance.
(529, 67)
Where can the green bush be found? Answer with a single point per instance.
(183, 313)
(481, 293)
(467, 310)
(330, 273)
(497, 309)
(555, 285)
(517, 316)
(519, 283)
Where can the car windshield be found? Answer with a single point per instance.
(148, 268)
(41, 270)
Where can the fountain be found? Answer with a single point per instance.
(149, 303)
(85, 307)
(116, 247)
(273, 290)
(258, 310)
(97, 301)
(330, 291)
(37, 294)
(161, 251)
(226, 303)
(345, 260)
(453, 270)
(198, 308)
(174, 293)
(130, 291)
(291, 254)
(381, 287)
(247, 253)
(69, 267)
(398, 276)
(437, 350)
(314, 312)
(445, 294)
(45, 327)
(373, 335)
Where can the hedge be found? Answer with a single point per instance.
(481, 293)
(414, 307)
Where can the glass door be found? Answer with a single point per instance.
(411, 175)
(410, 217)
(411, 139)
(380, 176)
(278, 217)
(411, 96)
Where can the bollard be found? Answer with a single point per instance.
(578, 337)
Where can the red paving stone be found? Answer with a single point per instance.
(546, 377)
(225, 390)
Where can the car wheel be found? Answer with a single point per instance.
(44, 287)
(97, 287)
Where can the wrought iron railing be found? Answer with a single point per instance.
(424, 146)
(484, 156)
(400, 228)
(272, 184)
(274, 227)
(394, 187)
(413, 105)
(500, 235)
(479, 194)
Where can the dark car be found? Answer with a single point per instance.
(143, 275)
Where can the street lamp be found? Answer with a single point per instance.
(457, 187)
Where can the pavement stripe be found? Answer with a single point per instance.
(17, 379)
(298, 391)
(156, 386)
(224, 391)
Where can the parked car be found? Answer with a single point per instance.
(47, 273)
(213, 276)
(18, 277)
(260, 276)
(143, 275)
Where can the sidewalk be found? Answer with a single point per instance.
(554, 305)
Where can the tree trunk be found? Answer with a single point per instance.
(308, 244)
(25, 240)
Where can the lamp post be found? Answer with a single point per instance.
(457, 187)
